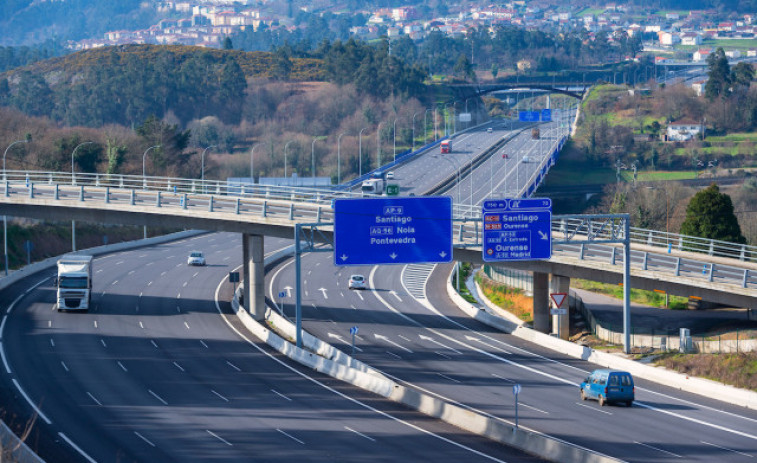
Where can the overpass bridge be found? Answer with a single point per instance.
(583, 246)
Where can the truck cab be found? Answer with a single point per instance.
(74, 283)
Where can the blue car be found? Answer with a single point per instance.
(608, 386)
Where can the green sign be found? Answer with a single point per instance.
(392, 190)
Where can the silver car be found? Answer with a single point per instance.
(196, 258)
(357, 282)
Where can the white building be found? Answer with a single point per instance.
(683, 132)
(691, 38)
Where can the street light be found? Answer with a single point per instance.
(414, 129)
(378, 145)
(394, 135)
(5, 217)
(312, 158)
(425, 126)
(360, 157)
(144, 155)
(252, 164)
(457, 170)
(339, 159)
(73, 175)
(285, 157)
(202, 173)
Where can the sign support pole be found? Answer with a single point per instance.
(298, 285)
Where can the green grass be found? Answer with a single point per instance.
(680, 13)
(734, 137)
(591, 12)
(569, 172)
(655, 176)
(638, 296)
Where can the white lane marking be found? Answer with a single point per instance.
(148, 264)
(140, 294)
(2, 325)
(290, 436)
(178, 366)
(122, 366)
(157, 397)
(491, 346)
(233, 366)
(163, 273)
(323, 290)
(442, 355)
(5, 361)
(178, 296)
(314, 306)
(394, 355)
(219, 437)
(534, 408)
(103, 342)
(360, 434)
(52, 342)
(281, 395)
(99, 271)
(203, 344)
(353, 307)
(394, 293)
(64, 365)
(447, 377)
(76, 447)
(32, 404)
(144, 438)
(432, 340)
(386, 339)
(186, 324)
(726, 448)
(196, 273)
(119, 262)
(502, 378)
(95, 323)
(131, 272)
(403, 337)
(179, 264)
(359, 295)
(219, 395)
(141, 325)
(49, 323)
(184, 285)
(593, 408)
(114, 282)
(340, 394)
(149, 283)
(658, 449)
(226, 258)
(153, 343)
(93, 398)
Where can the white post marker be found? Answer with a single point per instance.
(353, 332)
(516, 391)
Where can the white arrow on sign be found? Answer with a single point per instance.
(343, 257)
(543, 235)
(442, 254)
(323, 290)
(289, 290)
(393, 255)
(427, 338)
(384, 338)
(558, 298)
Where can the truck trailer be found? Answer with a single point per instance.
(74, 282)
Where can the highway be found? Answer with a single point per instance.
(154, 373)
(409, 330)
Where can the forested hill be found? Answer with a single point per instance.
(126, 84)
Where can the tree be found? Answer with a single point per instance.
(463, 67)
(227, 45)
(710, 215)
(719, 75)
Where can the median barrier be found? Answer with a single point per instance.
(704, 387)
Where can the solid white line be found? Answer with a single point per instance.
(280, 395)
(2, 325)
(93, 398)
(33, 405)
(122, 366)
(76, 447)
(149, 283)
(103, 342)
(178, 366)
(219, 395)
(5, 362)
(157, 397)
(447, 377)
(144, 438)
(726, 448)
(203, 344)
(186, 324)
(64, 365)
(219, 438)
(593, 408)
(290, 436)
(360, 434)
(52, 343)
(233, 366)
(658, 449)
(394, 355)
(153, 343)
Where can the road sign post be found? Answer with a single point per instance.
(558, 299)
(517, 229)
(372, 231)
(516, 391)
(353, 332)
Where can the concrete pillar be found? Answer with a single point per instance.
(253, 275)
(541, 302)
(561, 284)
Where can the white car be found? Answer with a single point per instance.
(357, 282)
(390, 175)
(489, 130)
(196, 258)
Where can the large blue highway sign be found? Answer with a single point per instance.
(546, 115)
(529, 116)
(392, 231)
(517, 229)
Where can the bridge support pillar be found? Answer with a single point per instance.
(253, 275)
(561, 323)
(541, 302)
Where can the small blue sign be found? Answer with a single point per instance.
(371, 231)
(529, 116)
(546, 115)
(517, 229)
(353, 330)
(282, 294)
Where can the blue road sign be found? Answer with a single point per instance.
(353, 330)
(282, 294)
(529, 116)
(546, 115)
(371, 231)
(517, 229)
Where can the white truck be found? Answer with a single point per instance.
(373, 186)
(74, 282)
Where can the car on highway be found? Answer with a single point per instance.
(196, 258)
(608, 386)
(489, 130)
(357, 282)
(390, 175)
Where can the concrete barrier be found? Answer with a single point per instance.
(705, 387)
(14, 449)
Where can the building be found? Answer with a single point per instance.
(691, 38)
(701, 54)
(683, 131)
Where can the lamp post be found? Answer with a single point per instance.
(144, 156)
(436, 125)
(73, 175)
(312, 159)
(425, 126)
(252, 164)
(285, 157)
(394, 141)
(457, 170)
(360, 155)
(339, 159)
(202, 168)
(5, 217)
(414, 130)
(378, 145)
